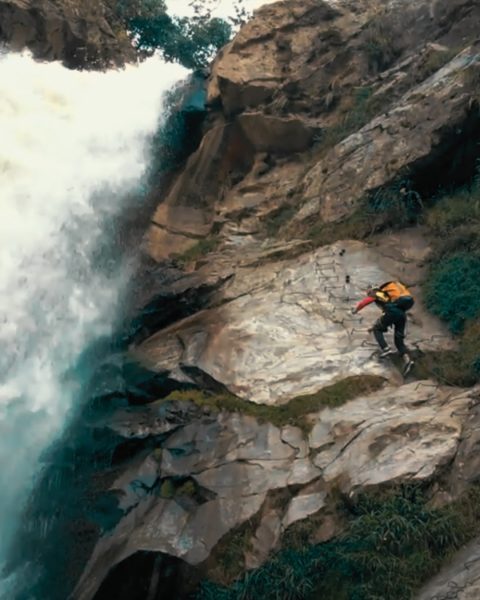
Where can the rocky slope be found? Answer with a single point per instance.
(80, 34)
(330, 124)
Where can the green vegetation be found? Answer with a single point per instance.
(396, 205)
(357, 226)
(460, 209)
(450, 367)
(452, 288)
(390, 546)
(190, 41)
(227, 561)
(198, 250)
(295, 411)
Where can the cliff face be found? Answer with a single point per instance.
(80, 34)
(330, 126)
(317, 105)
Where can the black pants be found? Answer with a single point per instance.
(394, 314)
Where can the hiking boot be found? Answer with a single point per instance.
(408, 364)
(385, 352)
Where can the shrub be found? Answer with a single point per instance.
(364, 105)
(453, 289)
(455, 210)
(449, 367)
(198, 250)
(434, 61)
(390, 547)
(275, 219)
(398, 203)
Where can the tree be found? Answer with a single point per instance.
(190, 41)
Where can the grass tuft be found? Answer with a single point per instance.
(392, 544)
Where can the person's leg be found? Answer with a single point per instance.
(380, 327)
(399, 337)
(399, 321)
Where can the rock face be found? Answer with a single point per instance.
(397, 434)
(285, 329)
(315, 110)
(80, 34)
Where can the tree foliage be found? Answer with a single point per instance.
(190, 41)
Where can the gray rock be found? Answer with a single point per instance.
(265, 540)
(395, 434)
(287, 329)
(293, 436)
(303, 506)
(458, 580)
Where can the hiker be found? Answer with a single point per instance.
(394, 299)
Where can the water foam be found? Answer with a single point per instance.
(73, 144)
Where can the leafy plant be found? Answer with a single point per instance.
(277, 218)
(434, 61)
(198, 250)
(364, 106)
(452, 287)
(190, 41)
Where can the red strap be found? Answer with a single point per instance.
(365, 302)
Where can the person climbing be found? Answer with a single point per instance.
(395, 299)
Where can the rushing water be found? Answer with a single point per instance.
(74, 146)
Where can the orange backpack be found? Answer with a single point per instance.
(391, 291)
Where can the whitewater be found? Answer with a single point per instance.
(74, 149)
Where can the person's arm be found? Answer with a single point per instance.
(363, 303)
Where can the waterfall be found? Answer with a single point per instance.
(74, 148)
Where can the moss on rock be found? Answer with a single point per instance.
(293, 412)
